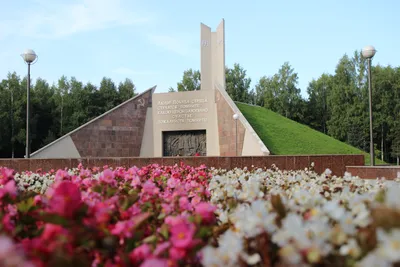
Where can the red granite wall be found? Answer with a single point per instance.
(118, 133)
(227, 128)
(336, 163)
(373, 172)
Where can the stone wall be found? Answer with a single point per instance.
(336, 163)
(118, 133)
(227, 128)
(373, 172)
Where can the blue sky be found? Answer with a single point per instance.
(153, 42)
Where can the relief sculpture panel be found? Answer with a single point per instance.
(184, 143)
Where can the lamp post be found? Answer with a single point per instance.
(30, 58)
(368, 52)
(236, 117)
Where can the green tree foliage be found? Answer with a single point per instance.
(126, 90)
(55, 109)
(337, 103)
(281, 94)
(190, 81)
(238, 84)
(317, 105)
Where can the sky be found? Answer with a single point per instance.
(153, 42)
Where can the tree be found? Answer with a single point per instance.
(62, 95)
(190, 81)
(108, 94)
(280, 93)
(340, 98)
(318, 108)
(238, 84)
(126, 90)
(395, 149)
(41, 118)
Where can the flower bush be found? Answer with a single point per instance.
(150, 216)
(186, 216)
(299, 218)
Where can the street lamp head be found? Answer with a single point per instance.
(29, 56)
(368, 51)
(235, 116)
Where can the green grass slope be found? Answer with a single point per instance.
(283, 136)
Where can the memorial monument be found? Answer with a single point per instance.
(169, 124)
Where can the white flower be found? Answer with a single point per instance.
(372, 260)
(290, 254)
(211, 257)
(347, 223)
(389, 245)
(334, 210)
(328, 172)
(222, 215)
(362, 215)
(392, 199)
(251, 260)
(351, 248)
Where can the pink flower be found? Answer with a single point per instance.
(155, 263)
(195, 200)
(51, 231)
(8, 223)
(76, 179)
(140, 253)
(182, 234)
(174, 220)
(6, 246)
(102, 212)
(61, 175)
(177, 253)
(9, 188)
(206, 211)
(172, 182)
(107, 176)
(161, 248)
(135, 181)
(125, 228)
(156, 173)
(5, 175)
(150, 188)
(166, 208)
(37, 200)
(12, 210)
(66, 199)
(122, 228)
(184, 203)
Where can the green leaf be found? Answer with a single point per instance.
(25, 206)
(150, 239)
(111, 191)
(204, 232)
(161, 216)
(54, 219)
(164, 231)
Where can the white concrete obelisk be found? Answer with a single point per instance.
(212, 56)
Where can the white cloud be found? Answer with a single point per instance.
(128, 71)
(180, 46)
(53, 19)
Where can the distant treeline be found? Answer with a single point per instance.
(337, 104)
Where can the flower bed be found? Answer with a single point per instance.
(186, 216)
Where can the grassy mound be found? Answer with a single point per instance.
(283, 136)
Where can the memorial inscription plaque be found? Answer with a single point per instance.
(184, 143)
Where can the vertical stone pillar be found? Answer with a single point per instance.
(212, 56)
